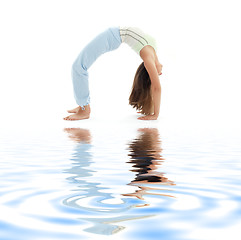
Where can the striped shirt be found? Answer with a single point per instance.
(136, 38)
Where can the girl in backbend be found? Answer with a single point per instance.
(146, 90)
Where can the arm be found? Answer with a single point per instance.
(155, 87)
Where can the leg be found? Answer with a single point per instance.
(81, 94)
(80, 79)
(104, 42)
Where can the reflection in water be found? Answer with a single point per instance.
(90, 198)
(145, 155)
(79, 135)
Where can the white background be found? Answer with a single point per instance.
(198, 45)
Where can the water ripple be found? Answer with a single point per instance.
(131, 188)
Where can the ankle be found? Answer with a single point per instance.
(85, 109)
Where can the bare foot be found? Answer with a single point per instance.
(80, 114)
(77, 116)
(75, 110)
(148, 117)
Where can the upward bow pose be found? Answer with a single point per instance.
(146, 90)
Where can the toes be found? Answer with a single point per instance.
(141, 118)
(68, 118)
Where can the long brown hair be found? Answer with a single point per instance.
(140, 97)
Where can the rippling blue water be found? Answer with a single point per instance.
(120, 183)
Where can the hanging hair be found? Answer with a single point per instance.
(140, 97)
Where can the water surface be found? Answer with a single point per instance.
(121, 183)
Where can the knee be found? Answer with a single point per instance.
(78, 71)
(74, 67)
(78, 66)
